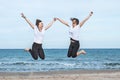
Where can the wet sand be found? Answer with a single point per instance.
(63, 75)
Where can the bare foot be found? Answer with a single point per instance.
(81, 52)
(27, 49)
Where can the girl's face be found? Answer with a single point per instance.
(40, 25)
(74, 23)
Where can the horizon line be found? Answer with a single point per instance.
(62, 48)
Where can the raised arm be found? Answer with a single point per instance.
(81, 23)
(50, 24)
(27, 20)
(62, 21)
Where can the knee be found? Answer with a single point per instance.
(42, 57)
(68, 55)
(74, 56)
(35, 58)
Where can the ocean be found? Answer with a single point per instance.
(17, 60)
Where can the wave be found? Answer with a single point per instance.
(17, 63)
(112, 64)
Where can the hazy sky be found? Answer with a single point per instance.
(102, 30)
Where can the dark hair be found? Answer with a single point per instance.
(77, 20)
(37, 22)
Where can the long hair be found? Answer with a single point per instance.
(37, 22)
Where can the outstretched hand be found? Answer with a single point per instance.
(22, 15)
(91, 13)
(55, 19)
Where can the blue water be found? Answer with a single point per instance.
(16, 60)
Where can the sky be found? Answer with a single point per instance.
(102, 30)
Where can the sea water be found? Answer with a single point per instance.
(17, 60)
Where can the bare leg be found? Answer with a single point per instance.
(81, 52)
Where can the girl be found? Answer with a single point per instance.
(39, 31)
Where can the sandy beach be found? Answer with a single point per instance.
(63, 75)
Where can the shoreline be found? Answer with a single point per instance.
(80, 71)
(63, 75)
